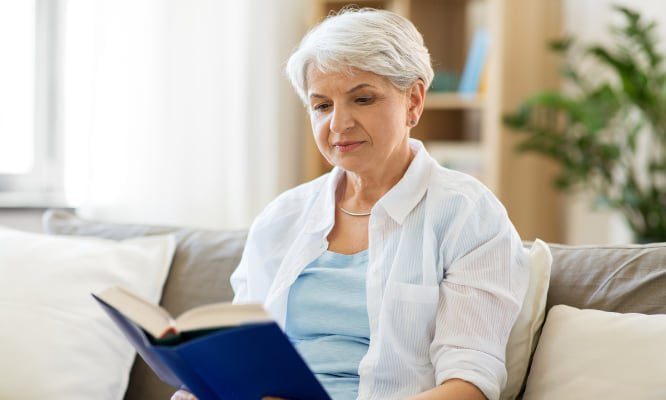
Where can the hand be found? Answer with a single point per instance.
(454, 389)
(183, 395)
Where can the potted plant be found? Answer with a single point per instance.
(607, 128)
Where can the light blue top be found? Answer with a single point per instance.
(327, 320)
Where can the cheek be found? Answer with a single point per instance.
(319, 129)
(398, 120)
(390, 124)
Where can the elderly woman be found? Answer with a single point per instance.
(394, 277)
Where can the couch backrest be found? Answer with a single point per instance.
(621, 278)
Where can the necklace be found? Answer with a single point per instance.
(354, 214)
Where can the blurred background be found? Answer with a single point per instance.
(178, 112)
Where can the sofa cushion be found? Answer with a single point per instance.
(57, 342)
(591, 354)
(202, 264)
(625, 279)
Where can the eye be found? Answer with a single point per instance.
(364, 100)
(321, 107)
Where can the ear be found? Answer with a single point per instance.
(415, 102)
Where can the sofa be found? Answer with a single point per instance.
(598, 330)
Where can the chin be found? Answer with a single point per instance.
(354, 167)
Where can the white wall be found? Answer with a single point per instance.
(588, 20)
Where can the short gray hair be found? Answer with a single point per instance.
(368, 39)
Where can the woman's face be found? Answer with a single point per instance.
(360, 121)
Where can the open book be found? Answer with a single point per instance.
(160, 325)
(217, 351)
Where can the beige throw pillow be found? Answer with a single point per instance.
(524, 334)
(591, 354)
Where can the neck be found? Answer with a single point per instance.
(360, 192)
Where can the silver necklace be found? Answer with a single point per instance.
(353, 214)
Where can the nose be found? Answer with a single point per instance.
(341, 120)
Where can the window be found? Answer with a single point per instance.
(30, 78)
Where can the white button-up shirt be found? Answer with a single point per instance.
(446, 276)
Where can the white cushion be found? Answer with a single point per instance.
(525, 332)
(590, 354)
(57, 342)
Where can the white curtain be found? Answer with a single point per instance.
(177, 111)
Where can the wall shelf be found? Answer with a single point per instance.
(452, 100)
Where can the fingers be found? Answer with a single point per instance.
(183, 395)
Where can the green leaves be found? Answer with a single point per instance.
(608, 131)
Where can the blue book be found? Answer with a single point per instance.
(216, 352)
(476, 58)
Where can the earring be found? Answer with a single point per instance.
(412, 122)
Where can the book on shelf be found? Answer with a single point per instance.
(474, 65)
(217, 352)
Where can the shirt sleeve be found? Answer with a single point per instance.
(250, 280)
(238, 279)
(479, 299)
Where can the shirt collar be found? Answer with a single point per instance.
(398, 202)
(322, 215)
(408, 192)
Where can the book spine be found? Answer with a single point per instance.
(469, 82)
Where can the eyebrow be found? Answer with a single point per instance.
(355, 88)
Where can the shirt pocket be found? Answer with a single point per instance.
(410, 320)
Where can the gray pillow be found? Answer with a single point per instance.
(200, 270)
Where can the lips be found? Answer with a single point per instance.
(344, 147)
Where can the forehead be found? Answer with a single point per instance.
(325, 82)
